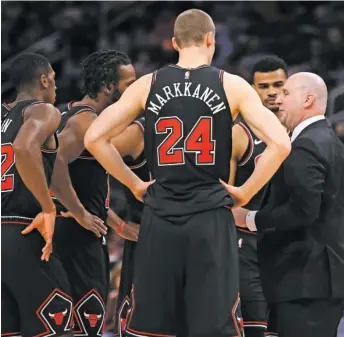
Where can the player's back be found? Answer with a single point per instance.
(188, 140)
(17, 202)
(89, 179)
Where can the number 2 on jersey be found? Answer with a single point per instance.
(199, 141)
(7, 161)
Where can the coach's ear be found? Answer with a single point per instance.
(174, 43)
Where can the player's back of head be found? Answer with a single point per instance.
(27, 69)
(267, 64)
(191, 26)
(101, 69)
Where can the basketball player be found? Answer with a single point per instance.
(35, 295)
(186, 262)
(130, 145)
(80, 184)
(268, 77)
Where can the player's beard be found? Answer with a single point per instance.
(115, 96)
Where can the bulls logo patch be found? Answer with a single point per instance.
(56, 313)
(89, 314)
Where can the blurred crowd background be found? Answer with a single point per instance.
(309, 36)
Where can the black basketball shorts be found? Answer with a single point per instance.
(186, 277)
(253, 304)
(35, 294)
(86, 261)
(125, 286)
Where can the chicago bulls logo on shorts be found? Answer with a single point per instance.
(56, 313)
(89, 314)
(122, 315)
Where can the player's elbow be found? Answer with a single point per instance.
(282, 146)
(22, 148)
(90, 140)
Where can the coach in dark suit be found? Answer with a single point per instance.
(301, 222)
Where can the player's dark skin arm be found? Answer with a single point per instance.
(128, 143)
(71, 145)
(40, 123)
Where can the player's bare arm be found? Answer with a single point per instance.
(243, 99)
(40, 123)
(240, 142)
(71, 145)
(128, 143)
(112, 121)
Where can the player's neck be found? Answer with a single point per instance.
(28, 94)
(96, 105)
(192, 57)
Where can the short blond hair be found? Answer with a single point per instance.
(191, 26)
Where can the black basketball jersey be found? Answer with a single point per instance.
(248, 163)
(188, 140)
(140, 168)
(17, 202)
(89, 179)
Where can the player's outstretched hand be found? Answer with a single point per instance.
(44, 222)
(88, 221)
(129, 231)
(140, 189)
(237, 193)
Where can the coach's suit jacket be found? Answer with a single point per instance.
(301, 222)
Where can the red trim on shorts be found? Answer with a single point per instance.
(38, 314)
(77, 304)
(15, 223)
(11, 334)
(130, 317)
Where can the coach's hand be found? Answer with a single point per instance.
(239, 196)
(88, 221)
(140, 189)
(44, 222)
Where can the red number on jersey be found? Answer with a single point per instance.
(7, 161)
(167, 153)
(199, 141)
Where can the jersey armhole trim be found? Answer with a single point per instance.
(140, 125)
(6, 106)
(244, 160)
(221, 75)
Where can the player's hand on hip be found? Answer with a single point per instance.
(239, 196)
(44, 222)
(129, 231)
(88, 221)
(140, 189)
(240, 214)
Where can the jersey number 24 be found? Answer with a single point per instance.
(199, 141)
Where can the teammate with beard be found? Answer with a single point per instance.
(35, 295)
(80, 184)
(268, 77)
